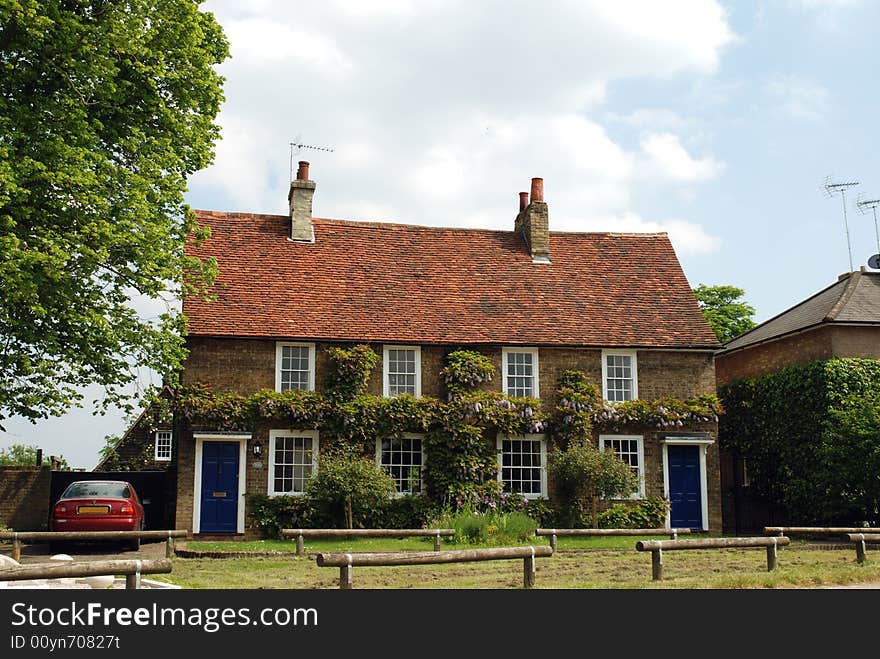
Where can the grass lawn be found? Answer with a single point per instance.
(580, 563)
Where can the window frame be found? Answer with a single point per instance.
(410, 435)
(635, 372)
(386, 384)
(536, 371)
(279, 352)
(170, 439)
(640, 452)
(500, 459)
(314, 435)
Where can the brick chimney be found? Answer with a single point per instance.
(300, 198)
(533, 222)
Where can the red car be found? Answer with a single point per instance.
(99, 506)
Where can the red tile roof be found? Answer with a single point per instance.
(379, 282)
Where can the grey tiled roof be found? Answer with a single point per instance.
(855, 298)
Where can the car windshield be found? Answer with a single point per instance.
(96, 489)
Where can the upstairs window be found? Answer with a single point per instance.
(402, 366)
(402, 457)
(520, 369)
(163, 445)
(294, 366)
(619, 379)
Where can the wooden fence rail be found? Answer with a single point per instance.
(860, 540)
(553, 533)
(656, 548)
(816, 530)
(301, 534)
(345, 562)
(132, 569)
(18, 537)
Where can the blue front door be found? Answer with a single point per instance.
(684, 487)
(219, 511)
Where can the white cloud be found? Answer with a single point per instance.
(442, 121)
(686, 237)
(666, 155)
(650, 119)
(797, 98)
(813, 5)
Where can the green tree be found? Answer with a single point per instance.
(349, 483)
(721, 305)
(24, 455)
(583, 474)
(105, 109)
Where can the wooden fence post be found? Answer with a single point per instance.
(771, 556)
(553, 541)
(133, 581)
(860, 549)
(300, 544)
(345, 575)
(437, 541)
(657, 564)
(16, 548)
(169, 547)
(529, 570)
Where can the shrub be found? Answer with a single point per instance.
(271, 514)
(583, 474)
(412, 511)
(475, 526)
(349, 485)
(647, 513)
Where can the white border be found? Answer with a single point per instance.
(704, 490)
(641, 457)
(406, 435)
(536, 372)
(635, 371)
(270, 460)
(533, 437)
(200, 439)
(278, 346)
(386, 385)
(156, 445)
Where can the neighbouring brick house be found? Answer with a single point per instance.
(842, 320)
(141, 448)
(615, 306)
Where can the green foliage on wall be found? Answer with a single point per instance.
(807, 433)
(461, 454)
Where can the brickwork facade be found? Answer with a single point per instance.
(822, 342)
(245, 366)
(24, 497)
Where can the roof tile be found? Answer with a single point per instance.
(381, 282)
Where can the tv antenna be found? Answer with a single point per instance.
(863, 205)
(831, 189)
(296, 144)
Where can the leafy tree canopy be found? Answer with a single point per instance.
(726, 313)
(23, 455)
(105, 109)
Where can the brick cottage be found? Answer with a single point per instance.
(615, 306)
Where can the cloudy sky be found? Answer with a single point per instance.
(717, 122)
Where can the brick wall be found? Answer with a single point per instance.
(245, 366)
(849, 341)
(136, 451)
(24, 497)
(820, 343)
(770, 357)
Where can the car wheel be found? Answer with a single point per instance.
(57, 547)
(135, 543)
